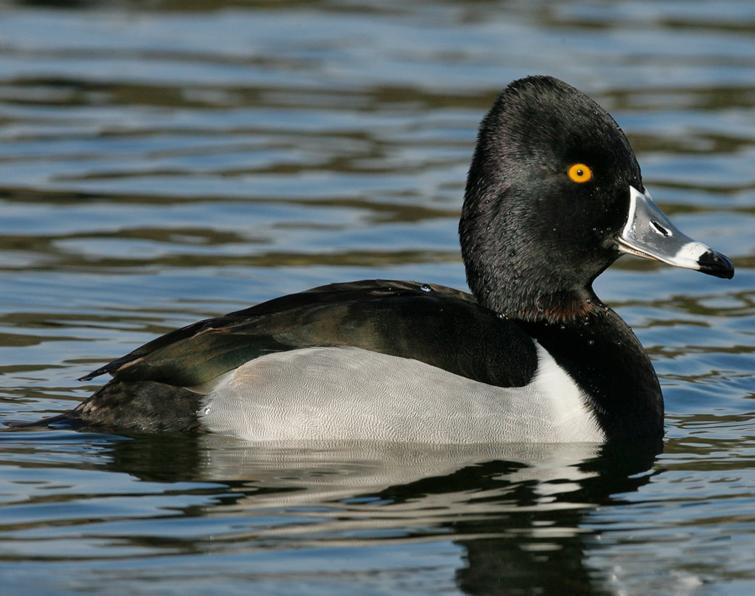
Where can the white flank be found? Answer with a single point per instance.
(344, 394)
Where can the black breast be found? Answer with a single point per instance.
(602, 354)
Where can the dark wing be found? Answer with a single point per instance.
(440, 326)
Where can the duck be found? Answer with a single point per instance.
(554, 195)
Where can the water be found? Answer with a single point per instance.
(165, 161)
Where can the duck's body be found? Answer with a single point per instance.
(531, 355)
(387, 360)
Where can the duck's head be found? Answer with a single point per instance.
(554, 196)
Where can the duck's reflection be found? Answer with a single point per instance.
(518, 511)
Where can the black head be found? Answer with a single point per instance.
(547, 200)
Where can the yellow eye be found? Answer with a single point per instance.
(579, 173)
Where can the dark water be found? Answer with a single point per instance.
(163, 161)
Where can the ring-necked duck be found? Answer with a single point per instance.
(554, 196)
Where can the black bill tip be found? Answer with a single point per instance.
(714, 263)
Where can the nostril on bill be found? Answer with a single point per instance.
(659, 228)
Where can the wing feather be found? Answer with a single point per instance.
(437, 325)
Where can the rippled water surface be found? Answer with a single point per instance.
(164, 161)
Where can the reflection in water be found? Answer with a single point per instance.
(516, 510)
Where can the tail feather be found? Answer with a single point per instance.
(140, 406)
(67, 420)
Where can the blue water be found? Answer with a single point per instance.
(164, 161)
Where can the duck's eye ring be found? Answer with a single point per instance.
(579, 173)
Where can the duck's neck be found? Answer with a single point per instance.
(560, 306)
(517, 275)
(516, 291)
